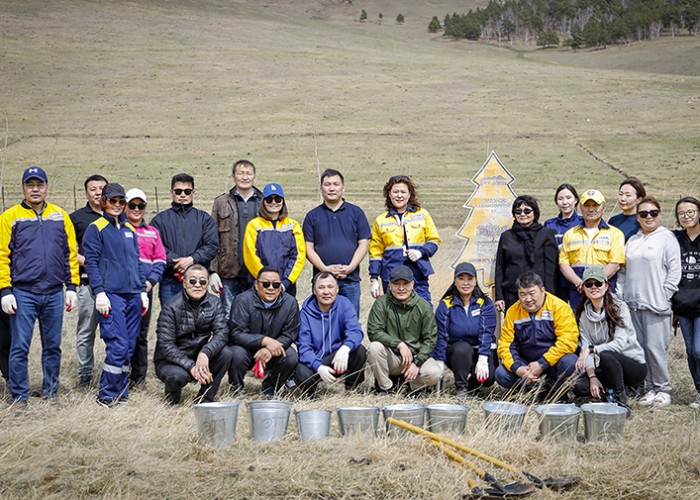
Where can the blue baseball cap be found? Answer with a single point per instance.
(34, 173)
(465, 268)
(271, 189)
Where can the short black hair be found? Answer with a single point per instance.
(528, 280)
(94, 177)
(529, 201)
(269, 269)
(195, 267)
(321, 276)
(331, 172)
(243, 163)
(183, 178)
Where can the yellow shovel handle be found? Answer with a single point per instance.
(454, 457)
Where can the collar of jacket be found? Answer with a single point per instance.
(311, 307)
(392, 211)
(601, 225)
(456, 300)
(110, 218)
(412, 301)
(29, 207)
(181, 207)
(261, 305)
(235, 194)
(195, 303)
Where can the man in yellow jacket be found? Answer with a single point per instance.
(538, 338)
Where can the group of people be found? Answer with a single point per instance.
(577, 297)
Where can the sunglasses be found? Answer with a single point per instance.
(268, 284)
(646, 213)
(202, 281)
(117, 201)
(140, 206)
(274, 199)
(688, 213)
(591, 284)
(523, 211)
(179, 191)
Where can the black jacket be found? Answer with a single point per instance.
(250, 321)
(686, 301)
(187, 232)
(186, 328)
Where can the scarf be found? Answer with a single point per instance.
(526, 236)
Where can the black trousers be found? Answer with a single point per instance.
(139, 361)
(5, 342)
(615, 371)
(307, 380)
(461, 359)
(176, 377)
(278, 369)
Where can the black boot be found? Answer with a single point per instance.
(619, 396)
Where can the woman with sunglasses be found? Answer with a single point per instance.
(653, 263)
(274, 239)
(117, 279)
(630, 194)
(526, 246)
(611, 357)
(686, 301)
(403, 235)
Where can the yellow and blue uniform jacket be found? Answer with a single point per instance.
(387, 250)
(578, 251)
(474, 324)
(37, 251)
(280, 245)
(544, 336)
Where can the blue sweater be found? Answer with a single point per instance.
(454, 324)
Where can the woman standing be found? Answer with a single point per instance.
(630, 193)
(466, 321)
(606, 330)
(686, 302)
(274, 239)
(403, 235)
(653, 271)
(526, 246)
(567, 201)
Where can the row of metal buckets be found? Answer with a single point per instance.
(269, 419)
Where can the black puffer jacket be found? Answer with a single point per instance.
(186, 328)
(250, 321)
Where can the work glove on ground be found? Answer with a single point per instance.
(71, 300)
(414, 254)
(102, 304)
(482, 368)
(340, 360)
(215, 283)
(9, 304)
(326, 374)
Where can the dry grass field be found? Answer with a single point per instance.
(141, 90)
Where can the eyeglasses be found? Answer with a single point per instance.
(591, 284)
(646, 213)
(117, 201)
(688, 214)
(268, 284)
(274, 199)
(140, 206)
(523, 211)
(202, 281)
(179, 191)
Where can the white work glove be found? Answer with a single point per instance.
(326, 374)
(482, 368)
(9, 304)
(215, 283)
(414, 254)
(376, 289)
(340, 360)
(102, 304)
(441, 364)
(144, 303)
(71, 300)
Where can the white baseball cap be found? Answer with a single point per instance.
(135, 193)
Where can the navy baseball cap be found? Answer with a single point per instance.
(465, 268)
(34, 173)
(271, 189)
(112, 190)
(401, 273)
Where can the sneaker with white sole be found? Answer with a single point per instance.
(648, 398)
(696, 404)
(661, 399)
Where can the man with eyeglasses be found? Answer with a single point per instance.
(192, 338)
(538, 339)
(87, 314)
(189, 236)
(231, 212)
(38, 257)
(593, 242)
(263, 326)
(153, 262)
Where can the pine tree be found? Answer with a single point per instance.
(434, 25)
(400, 19)
(363, 16)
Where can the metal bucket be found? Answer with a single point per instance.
(216, 423)
(268, 419)
(447, 418)
(361, 421)
(603, 420)
(410, 413)
(313, 424)
(558, 421)
(504, 416)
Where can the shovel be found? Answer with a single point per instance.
(552, 483)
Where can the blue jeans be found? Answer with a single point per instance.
(351, 290)
(691, 334)
(232, 287)
(168, 288)
(48, 309)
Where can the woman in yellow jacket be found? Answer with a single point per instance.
(274, 239)
(403, 235)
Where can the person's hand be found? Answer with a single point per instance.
(406, 355)
(144, 303)
(263, 355)
(102, 304)
(411, 372)
(9, 304)
(581, 361)
(596, 387)
(535, 369)
(215, 283)
(200, 371)
(71, 300)
(500, 305)
(340, 360)
(340, 271)
(579, 287)
(182, 263)
(376, 289)
(274, 346)
(482, 368)
(326, 374)
(149, 286)
(414, 254)
(523, 372)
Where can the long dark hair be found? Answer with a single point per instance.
(401, 179)
(569, 188)
(454, 293)
(611, 309)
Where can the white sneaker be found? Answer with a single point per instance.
(696, 403)
(648, 398)
(661, 399)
